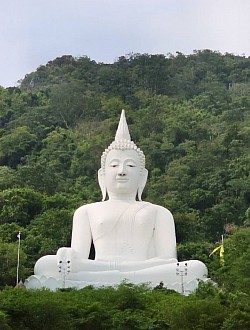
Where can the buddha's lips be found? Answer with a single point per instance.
(121, 180)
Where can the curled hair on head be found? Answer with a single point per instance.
(123, 145)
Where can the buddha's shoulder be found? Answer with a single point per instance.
(88, 207)
(150, 207)
(158, 208)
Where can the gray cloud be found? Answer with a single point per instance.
(34, 32)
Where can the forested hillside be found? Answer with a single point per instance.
(189, 114)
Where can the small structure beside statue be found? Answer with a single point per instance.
(134, 240)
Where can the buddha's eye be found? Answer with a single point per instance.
(113, 165)
(131, 165)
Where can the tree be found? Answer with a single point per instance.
(48, 232)
(234, 275)
(71, 102)
(8, 260)
(19, 205)
(16, 144)
(8, 177)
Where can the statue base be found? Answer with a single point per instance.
(53, 284)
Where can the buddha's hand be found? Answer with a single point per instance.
(64, 259)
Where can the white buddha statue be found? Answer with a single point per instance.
(134, 240)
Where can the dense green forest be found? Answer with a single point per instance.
(190, 114)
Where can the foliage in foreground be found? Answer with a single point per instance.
(126, 307)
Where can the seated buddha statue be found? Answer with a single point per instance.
(134, 240)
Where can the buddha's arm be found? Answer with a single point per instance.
(80, 241)
(164, 235)
(81, 233)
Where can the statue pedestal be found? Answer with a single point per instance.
(51, 283)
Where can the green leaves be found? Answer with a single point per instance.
(125, 307)
(8, 262)
(16, 144)
(19, 205)
(235, 276)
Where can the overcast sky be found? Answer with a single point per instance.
(33, 32)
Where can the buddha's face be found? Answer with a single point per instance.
(122, 172)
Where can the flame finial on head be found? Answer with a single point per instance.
(122, 132)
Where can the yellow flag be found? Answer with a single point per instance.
(221, 249)
(215, 250)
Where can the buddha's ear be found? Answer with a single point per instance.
(101, 181)
(142, 183)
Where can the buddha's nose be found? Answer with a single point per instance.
(121, 171)
(121, 174)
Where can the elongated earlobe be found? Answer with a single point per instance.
(102, 184)
(143, 180)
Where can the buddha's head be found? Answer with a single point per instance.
(122, 171)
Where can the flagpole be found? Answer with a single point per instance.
(18, 257)
(222, 262)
